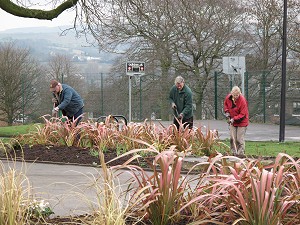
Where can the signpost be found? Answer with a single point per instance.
(137, 69)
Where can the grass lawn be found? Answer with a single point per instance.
(11, 131)
(271, 148)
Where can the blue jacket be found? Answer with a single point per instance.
(69, 101)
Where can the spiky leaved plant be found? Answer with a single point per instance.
(98, 136)
(158, 194)
(205, 143)
(55, 131)
(156, 136)
(109, 207)
(254, 195)
(15, 192)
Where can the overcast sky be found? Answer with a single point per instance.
(9, 21)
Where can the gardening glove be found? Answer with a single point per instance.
(173, 105)
(227, 115)
(180, 116)
(55, 111)
(54, 100)
(230, 121)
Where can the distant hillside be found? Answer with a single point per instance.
(53, 34)
(46, 41)
(35, 30)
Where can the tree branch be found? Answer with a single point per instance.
(19, 11)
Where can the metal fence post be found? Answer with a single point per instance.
(264, 94)
(216, 95)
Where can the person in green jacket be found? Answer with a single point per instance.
(181, 100)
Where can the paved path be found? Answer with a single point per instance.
(69, 189)
(65, 185)
(255, 132)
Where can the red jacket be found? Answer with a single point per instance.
(238, 110)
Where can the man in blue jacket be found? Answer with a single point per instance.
(67, 100)
(181, 100)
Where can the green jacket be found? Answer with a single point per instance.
(183, 100)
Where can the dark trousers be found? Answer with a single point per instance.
(79, 116)
(76, 115)
(186, 122)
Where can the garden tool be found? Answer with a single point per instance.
(58, 114)
(176, 114)
(230, 126)
(54, 113)
(233, 138)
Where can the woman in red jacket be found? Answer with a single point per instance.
(236, 111)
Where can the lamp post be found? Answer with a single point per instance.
(283, 75)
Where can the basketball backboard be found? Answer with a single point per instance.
(234, 65)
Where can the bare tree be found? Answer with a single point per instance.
(206, 30)
(188, 37)
(293, 26)
(139, 29)
(94, 99)
(61, 68)
(264, 30)
(18, 75)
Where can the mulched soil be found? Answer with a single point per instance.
(74, 156)
(68, 155)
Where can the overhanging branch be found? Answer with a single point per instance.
(19, 11)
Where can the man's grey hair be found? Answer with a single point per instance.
(179, 79)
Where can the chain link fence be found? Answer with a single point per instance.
(263, 92)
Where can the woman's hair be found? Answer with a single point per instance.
(236, 90)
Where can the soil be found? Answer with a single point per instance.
(66, 155)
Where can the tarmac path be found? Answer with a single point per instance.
(255, 131)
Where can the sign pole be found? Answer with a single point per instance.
(243, 80)
(129, 104)
(133, 68)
